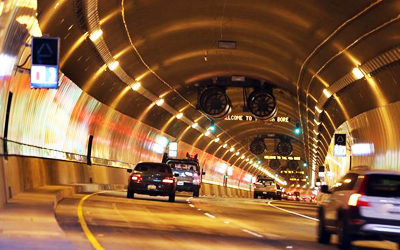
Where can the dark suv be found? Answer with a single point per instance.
(363, 205)
(153, 179)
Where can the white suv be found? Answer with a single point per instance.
(364, 205)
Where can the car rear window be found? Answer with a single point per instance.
(383, 185)
(161, 168)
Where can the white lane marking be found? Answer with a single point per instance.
(252, 233)
(191, 205)
(301, 215)
(209, 215)
(226, 222)
(289, 247)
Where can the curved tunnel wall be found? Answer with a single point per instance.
(377, 128)
(48, 130)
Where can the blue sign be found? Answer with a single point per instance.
(44, 62)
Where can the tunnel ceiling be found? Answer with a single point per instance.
(298, 48)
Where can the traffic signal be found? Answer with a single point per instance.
(297, 129)
(212, 127)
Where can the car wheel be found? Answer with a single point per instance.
(171, 197)
(130, 194)
(196, 193)
(323, 237)
(344, 239)
(255, 196)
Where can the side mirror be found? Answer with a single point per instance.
(129, 170)
(176, 175)
(204, 173)
(325, 189)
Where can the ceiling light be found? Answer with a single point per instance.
(113, 65)
(357, 73)
(159, 102)
(318, 110)
(237, 153)
(315, 140)
(216, 139)
(207, 133)
(247, 159)
(96, 35)
(315, 145)
(315, 132)
(225, 145)
(226, 45)
(232, 149)
(315, 150)
(317, 122)
(251, 162)
(135, 86)
(195, 125)
(179, 116)
(327, 93)
(242, 157)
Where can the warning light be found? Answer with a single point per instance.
(297, 129)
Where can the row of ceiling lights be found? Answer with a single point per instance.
(113, 66)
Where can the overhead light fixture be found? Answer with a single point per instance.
(327, 93)
(315, 145)
(237, 153)
(315, 132)
(195, 125)
(113, 65)
(179, 116)
(318, 110)
(232, 149)
(238, 78)
(96, 35)
(357, 73)
(242, 157)
(207, 133)
(247, 159)
(216, 139)
(251, 162)
(315, 140)
(226, 45)
(315, 150)
(136, 86)
(159, 102)
(317, 122)
(225, 145)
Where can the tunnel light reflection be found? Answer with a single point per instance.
(318, 110)
(327, 93)
(160, 102)
(195, 125)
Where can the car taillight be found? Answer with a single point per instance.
(168, 181)
(136, 178)
(356, 200)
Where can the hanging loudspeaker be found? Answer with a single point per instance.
(257, 146)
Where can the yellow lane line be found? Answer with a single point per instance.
(84, 226)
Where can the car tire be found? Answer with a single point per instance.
(130, 194)
(344, 238)
(323, 236)
(171, 197)
(196, 193)
(255, 196)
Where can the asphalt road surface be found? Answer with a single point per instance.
(111, 221)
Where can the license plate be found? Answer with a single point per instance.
(180, 183)
(151, 187)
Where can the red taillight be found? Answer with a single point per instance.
(137, 178)
(168, 181)
(356, 200)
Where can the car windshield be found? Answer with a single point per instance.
(149, 167)
(383, 185)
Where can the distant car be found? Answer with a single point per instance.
(364, 205)
(267, 188)
(153, 179)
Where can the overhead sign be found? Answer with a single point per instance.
(290, 158)
(340, 139)
(253, 118)
(45, 52)
(173, 149)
